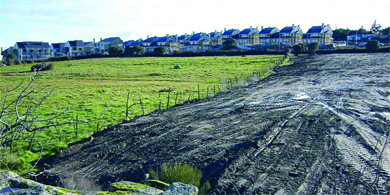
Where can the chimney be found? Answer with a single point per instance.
(262, 27)
(147, 37)
(167, 35)
(293, 25)
(322, 25)
(94, 41)
(1, 50)
(251, 27)
(101, 39)
(224, 29)
(193, 32)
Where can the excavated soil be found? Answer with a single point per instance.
(317, 126)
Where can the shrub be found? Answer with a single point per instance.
(180, 173)
(11, 59)
(229, 44)
(372, 45)
(159, 51)
(41, 67)
(177, 67)
(286, 52)
(312, 48)
(114, 51)
(297, 49)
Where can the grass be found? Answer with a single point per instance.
(87, 86)
(183, 173)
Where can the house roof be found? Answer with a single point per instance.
(151, 39)
(127, 43)
(213, 34)
(315, 29)
(197, 36)
(57, 45)
(287, 29)
(135, 43)
(182, 37)
(35, 45)
(245, 31)
(229, 32)
(110, 39)
(76, 43)
(162, 39)
(87, 43)
(267, 30)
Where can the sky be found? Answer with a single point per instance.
(63, 20)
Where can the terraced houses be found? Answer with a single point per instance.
(246, 39)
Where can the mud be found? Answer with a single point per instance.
(317, 126)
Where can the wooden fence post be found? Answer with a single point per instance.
(177, 94)
(77, 126)
(159, 101)
(169, 95)
(127, 106)
(198, 92)
(142, 106)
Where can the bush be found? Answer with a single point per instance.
(159, 51)
(183, 173)
(41, 67)
(297, 49)
(312, 48)
(286, 52)
(11, 59)
(372, 45)
(114, 51)
(229, 44)
(177, 67)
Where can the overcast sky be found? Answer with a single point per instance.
(62, 20)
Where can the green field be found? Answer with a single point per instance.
(86, 87)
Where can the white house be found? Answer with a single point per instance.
(248, 37)
(103, 45)
(28, 50)
(74, 48)
(58, 49)
(198, 42)
(319, 34)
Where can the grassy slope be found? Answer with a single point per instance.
(86, 87)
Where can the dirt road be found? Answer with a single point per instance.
(317, 126)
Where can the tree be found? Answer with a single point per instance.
(159, 51)
(114, 51)
(312, 48)
(229, 44)
(10, 59)
(298, 49)
(372, 45)
(136, 50)
(340, 34)
(385, 31)
(362, 31)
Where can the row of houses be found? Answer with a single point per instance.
(249, 38)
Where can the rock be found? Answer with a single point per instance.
(135, 188)
(293, 174)
(183, 189)
(11, 183)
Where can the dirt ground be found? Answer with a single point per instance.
(317, 126)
